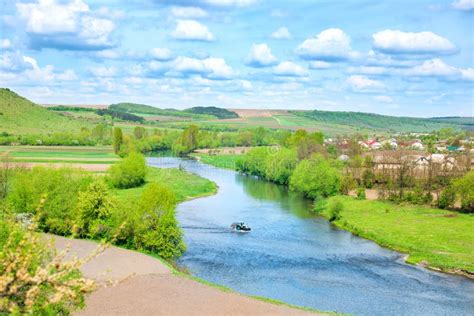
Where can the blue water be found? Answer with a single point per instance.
(296, 257)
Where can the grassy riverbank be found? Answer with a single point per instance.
(185, 185)
(436, 238)
(221, 161)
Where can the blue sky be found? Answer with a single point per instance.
(413, 58)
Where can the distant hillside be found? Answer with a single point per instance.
(465, 122)
(20, 116)
(140, 109)
(212, 110)
(378, 122)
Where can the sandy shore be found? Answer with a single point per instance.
(145, 286)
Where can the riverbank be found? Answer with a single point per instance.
(437, 239)
(130, 282)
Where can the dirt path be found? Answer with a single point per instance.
(146, 286)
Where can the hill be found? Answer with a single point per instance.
(214, 111)
(147, 110)
(465, 122)
(20, 116)
(378, 122)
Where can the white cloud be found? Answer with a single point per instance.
(290, 69)
(65, 25)
(467, 74)
(14, 62)
(5, 44)
(281, 33)
(161, 53)
(464, 5)
(330, 44)
(260, 55)
(319, 64)
(192, 30)
(212, 67)
(398, 42)
(362, 83)
(433, 67)
(383, 98)
(103, 71)
(230, 3)
(188, 12)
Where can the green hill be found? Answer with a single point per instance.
(20, 116)
(214, 111)
(379, 122)
(143, 109)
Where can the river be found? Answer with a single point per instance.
(296, 257)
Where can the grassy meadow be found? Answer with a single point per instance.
(221, 161)
(437, 238)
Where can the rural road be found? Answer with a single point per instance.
(143, 285)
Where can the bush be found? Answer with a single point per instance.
(50, 194)
(94, 208)
(347, 184)
(368, 178)
(278, 167)
(254, 161)
(316, 178)
(34, 279)
(465, 187)
(128, 173)
(447, 198)
(361, 194)
(335, 208)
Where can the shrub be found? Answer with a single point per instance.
(335, 208)
(447, 197)
(34, 279)
(278, 167)
(94, 208)
(465, 187)
(254, 161)
(128, 173)
(361, 194)
(50, 194)
(315, 177)
(347, 184)
(368, 178)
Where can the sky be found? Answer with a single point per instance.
(396, 57)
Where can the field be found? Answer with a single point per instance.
(220, 161)
(437, 238)
(185, 185)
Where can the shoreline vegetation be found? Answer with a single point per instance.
(440, 240)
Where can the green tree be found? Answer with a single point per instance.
(117, 139)
(139, 132)
(316, 178)
(254, 161)
(129, 172)
(278, 167)
(188, 141)
(447, 197)
(465, 188)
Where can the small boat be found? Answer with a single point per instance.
(240, 227)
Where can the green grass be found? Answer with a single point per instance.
(438, 238)
(20, 116)
(185, 185)
(220, 161)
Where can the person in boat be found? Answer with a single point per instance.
(240, 226)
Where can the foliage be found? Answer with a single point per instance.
(279, 166)
(335, 207)
(361, 193)
(147, 109)
(34, 279)
(348, 183)
(129, 172)
(187, 142)
(117, 139)
(50, 194)
(316, 177)
(254, 161)
(465, 187)
(220, 113)
(121, 115)
(447, 197)
(368, 178)
(94, 207)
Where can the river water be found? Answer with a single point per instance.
(299, 258)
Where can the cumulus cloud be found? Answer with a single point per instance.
(319, 64)
(281, 33)
(5, 44)
(211, 67)
(289, 69)
(421, 43)
(192, 30)
(433, 68)
(363, 83)
(467, 74)
(464, 5)
(14, 62)
(329, 45)
(70, 25)
(188, 12)
(260, 55)
(103, 71)
(161, 53)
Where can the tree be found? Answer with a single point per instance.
(187, 142)
(447, 197)
(254, 161)
(117, 139)
(128, 173)
(139, 132)
(278, 167)
(316, 178)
